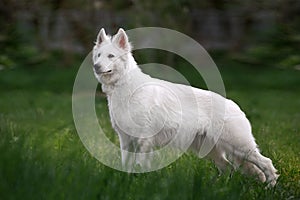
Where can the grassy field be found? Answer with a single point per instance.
(42, 157)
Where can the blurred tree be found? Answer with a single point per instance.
(71, 25)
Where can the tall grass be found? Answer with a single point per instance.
(42, 157)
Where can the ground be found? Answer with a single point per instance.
(42, 156)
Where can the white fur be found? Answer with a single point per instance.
(165, 108)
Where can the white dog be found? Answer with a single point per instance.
(149, 113)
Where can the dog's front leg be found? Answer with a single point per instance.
(144, 155)
(135, 152)
(128, 145)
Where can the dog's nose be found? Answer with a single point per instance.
(97, 68)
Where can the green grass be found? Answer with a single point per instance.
(42, 157)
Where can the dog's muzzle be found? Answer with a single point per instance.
(98, 69)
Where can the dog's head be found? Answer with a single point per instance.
(111, 56)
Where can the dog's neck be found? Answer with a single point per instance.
(131, 67)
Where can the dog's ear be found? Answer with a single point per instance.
(101, 36)
(121, 40)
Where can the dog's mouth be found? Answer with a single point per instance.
(103, 72)
(106, 72)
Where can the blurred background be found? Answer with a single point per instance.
(260, 30)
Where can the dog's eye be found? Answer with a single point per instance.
(99, 54)
(110, 56)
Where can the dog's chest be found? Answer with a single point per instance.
(112, 109)
(125, 114)
(136, 111)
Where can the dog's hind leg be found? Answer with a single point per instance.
(240, 145)
(265, 165)
(220, 160)
(248, 168)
